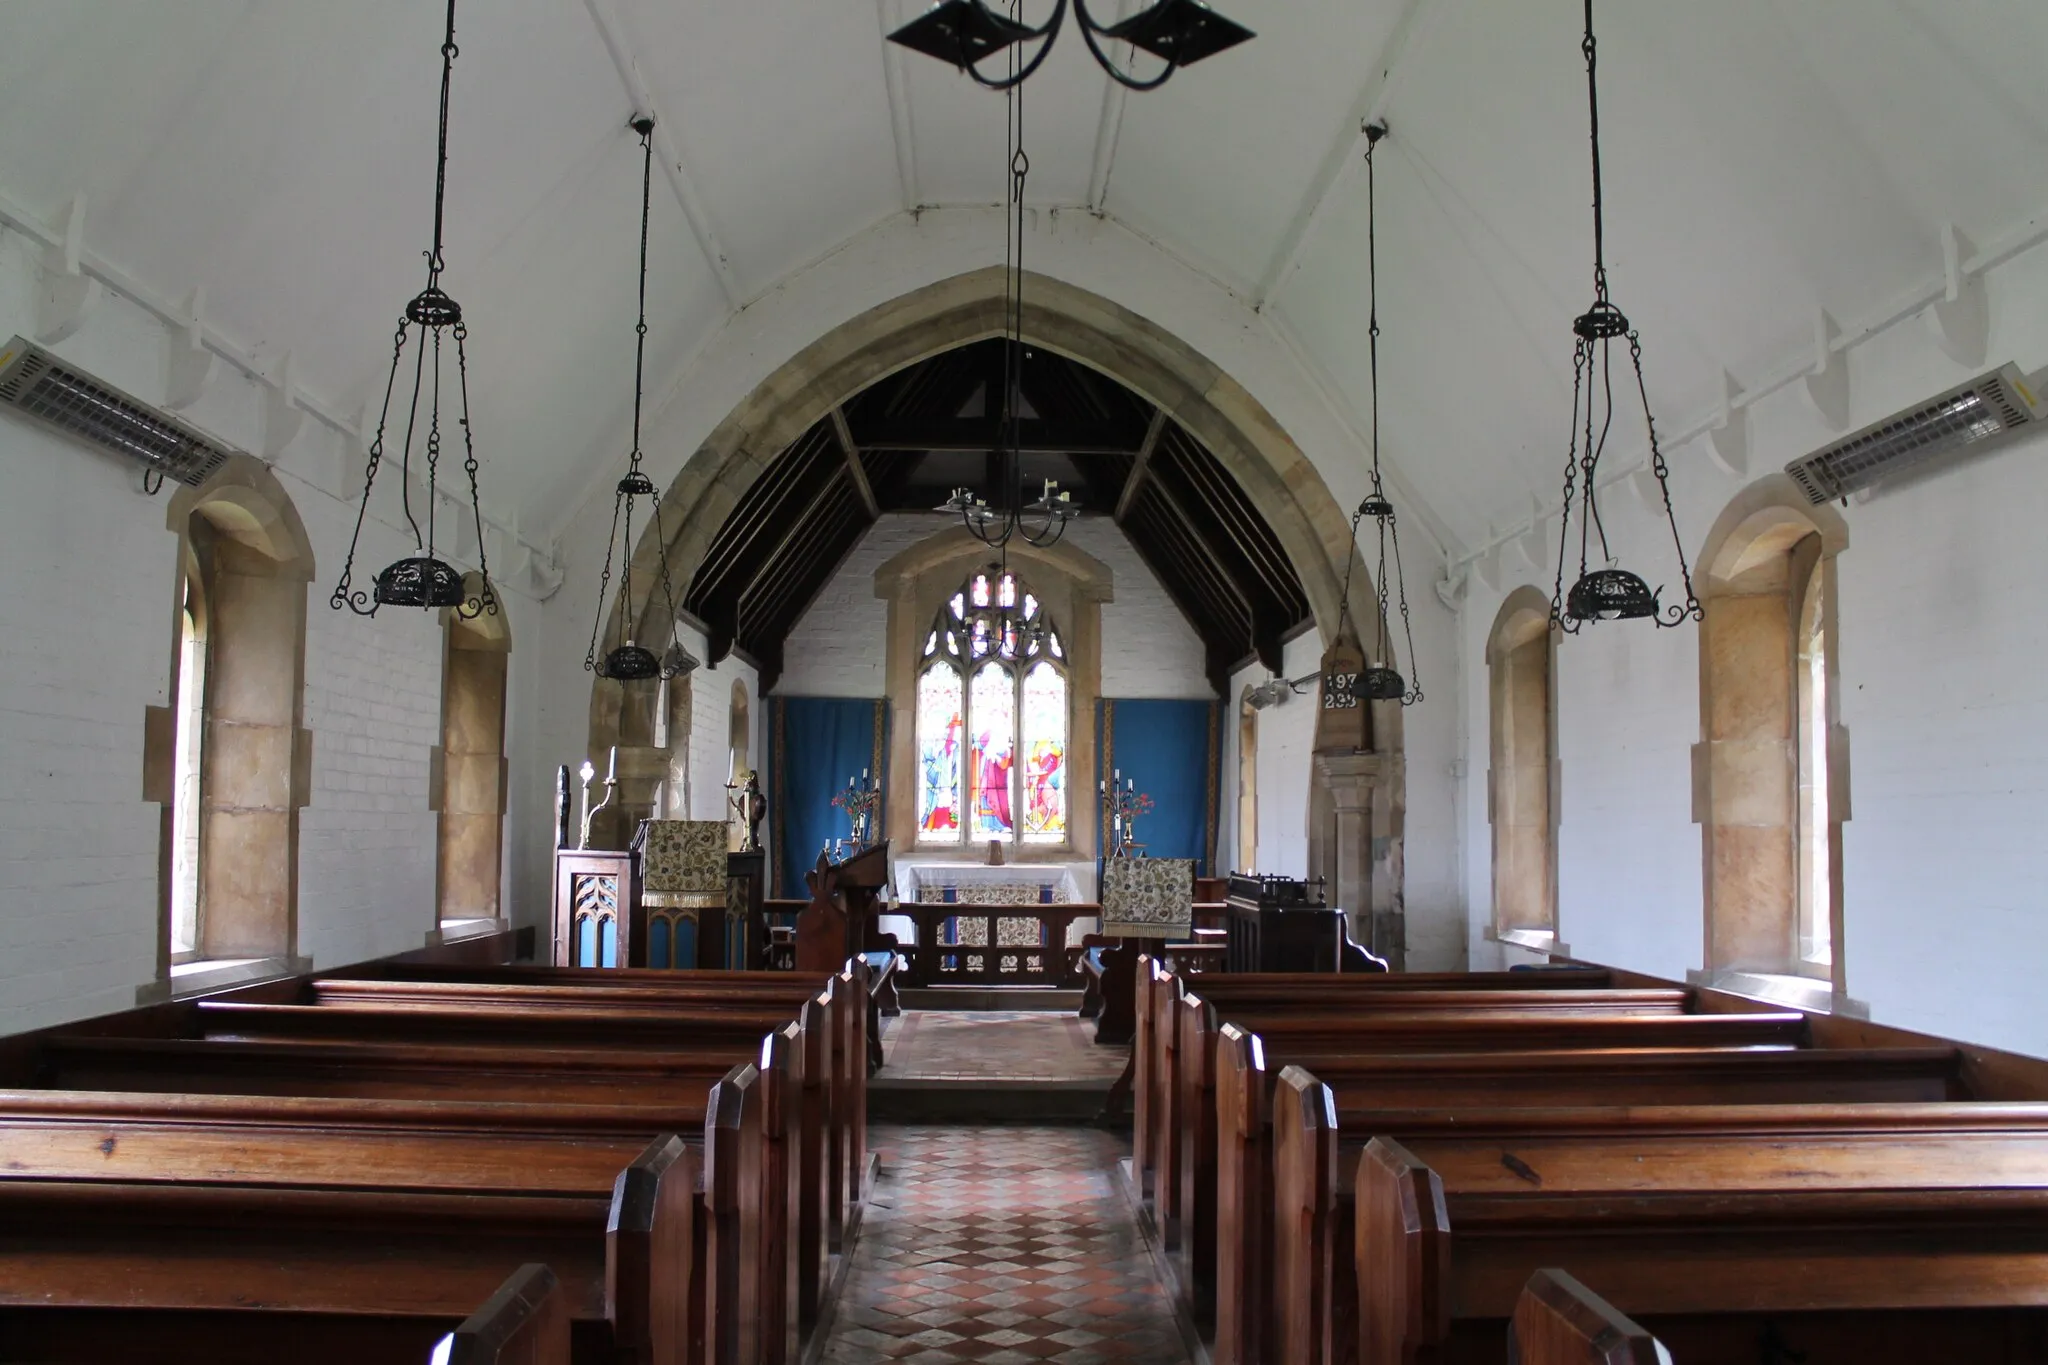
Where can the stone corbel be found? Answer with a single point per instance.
(1728, 439)
(1960, 320)
(283, 418)
(190, 366)
(1826, 385)
(67, 296)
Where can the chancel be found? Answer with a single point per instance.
(1299, 682)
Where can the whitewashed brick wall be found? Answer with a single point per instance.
(86, 646)
(1944, 691)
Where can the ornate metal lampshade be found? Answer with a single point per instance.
(1607, 593)
(966, 33)
(424, 579)
(629, 660)
(1379, 680)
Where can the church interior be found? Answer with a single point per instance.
(1021, 680)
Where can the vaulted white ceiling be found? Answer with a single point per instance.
(1766, 159)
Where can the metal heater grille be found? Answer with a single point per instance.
(1984, 408)
(36, 384)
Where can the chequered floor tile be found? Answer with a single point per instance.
(996, 1045)
(1001, 1246)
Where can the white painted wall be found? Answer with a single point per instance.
(88, 620)
(1944, 694)
(838, 648)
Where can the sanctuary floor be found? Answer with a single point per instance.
(996, 1045)
(1001, 1246)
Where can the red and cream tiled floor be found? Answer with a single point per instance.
(1004, 1246)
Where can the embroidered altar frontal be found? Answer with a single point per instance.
(1148, 897)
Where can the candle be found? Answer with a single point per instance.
(611, 770)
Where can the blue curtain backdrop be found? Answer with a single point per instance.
(1171, 749)
(814, 745)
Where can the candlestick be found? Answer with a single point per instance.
(586, 772)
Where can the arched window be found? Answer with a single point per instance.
(1770, 775)
(229, 757)
(471, 768)
(992, 719)
(1522, 754)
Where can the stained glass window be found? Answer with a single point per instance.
(992, 746)
(939, 713)
(993, 705)
(1044, 732)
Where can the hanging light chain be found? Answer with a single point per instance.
(486, 598)
(449, 52)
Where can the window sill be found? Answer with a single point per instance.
(455, 930)
(1799, 992)
(207, 975)
(1529, 940)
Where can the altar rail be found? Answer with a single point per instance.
(995, 945)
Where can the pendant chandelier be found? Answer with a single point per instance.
(1044, 520)
(423, 579)
(628, 660)
(1380, 681)
(1606, 592)
(968, 32)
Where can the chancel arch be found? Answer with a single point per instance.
(468, 779)
(1770, 773)
(229, 758)
(1521, 781)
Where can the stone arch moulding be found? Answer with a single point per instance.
(1523, 778)
(1768, 546)
(241, 533)
(1058, 316)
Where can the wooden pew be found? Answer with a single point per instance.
(1559, 1321)
(525, 1322)
(563, 1091)
(1281, 1186)
(390, 1225)
(1400, 1021)
(1848, 1245)
(1157, 990)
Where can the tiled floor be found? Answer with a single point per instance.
(1004, 1246)
(933, 1045)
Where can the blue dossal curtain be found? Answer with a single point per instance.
(1170, 749)
(814, 745)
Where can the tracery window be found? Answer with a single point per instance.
(992, 714)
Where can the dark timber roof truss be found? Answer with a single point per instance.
(905, 442)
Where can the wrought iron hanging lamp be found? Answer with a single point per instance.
(423, 579)
(628, 660)
(1380, 681)
(968, 32)
(1042, 521)
(1607, 592)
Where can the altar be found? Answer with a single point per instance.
(932, 881)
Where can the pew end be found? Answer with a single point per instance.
(525, 1323)
(1559, 1321)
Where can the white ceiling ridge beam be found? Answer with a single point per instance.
(901, 130)
(1346, 149)
(189, 329)
(1904, 308)
(618, 41)
(1405, 496)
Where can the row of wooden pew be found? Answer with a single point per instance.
(344, 1167)
(1374, 1169)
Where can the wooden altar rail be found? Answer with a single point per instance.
(991, 962)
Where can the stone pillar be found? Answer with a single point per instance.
(1355, 846)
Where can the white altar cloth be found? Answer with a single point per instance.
(1072, 883)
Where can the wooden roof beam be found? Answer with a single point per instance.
(1140, 466)
(854, 469)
